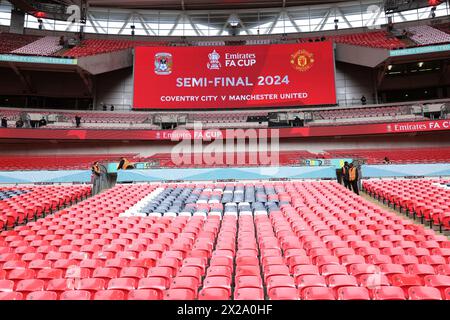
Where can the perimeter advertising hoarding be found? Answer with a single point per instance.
(234, 76)
(177, 135)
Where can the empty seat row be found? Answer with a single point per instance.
(427, 199)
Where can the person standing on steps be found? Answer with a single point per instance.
(363, 100)
(77, 121)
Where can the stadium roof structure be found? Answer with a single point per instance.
(217, 18)
(204, 4)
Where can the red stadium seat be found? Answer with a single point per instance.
(48, 274)
(179, 294)
(283, 293)
(90, 284)
(60, 285)
(133, 272)
(42, 295)
(156, 283)
(447, 294)
(406, 281)
(337, 281)
(109, 295)
(11, 296)
(353, 293)
(105, 273)
(76, 295)
(29, 285)
(21, 274)
(424, 293)
(249, 294)
(421, 269)
(218, 282)
(214, 294)
(144, 294)
(124, 284)
(440, 282)
(388, 293)
(318, 293)
(6, 285)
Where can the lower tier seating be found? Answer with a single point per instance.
(396, 155)
(198, 160)
(52, 162)
(21, 204)
(223, 159)
(427, 199)
(310, 240)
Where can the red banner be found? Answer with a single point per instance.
(234, 76)
(305, 132)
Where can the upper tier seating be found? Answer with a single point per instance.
(396, 156)
(428, 199)
(426, 35)
(366, 120)
(363, 112)
(297, 240)
(20, 204)
(374, 39)
(98, 46)
(11, 41)
(94, 120)
(49, 46)
(364, 115)
(45, 46)
(103, 125)
(55, 162)
(225, 120)
(377, 39)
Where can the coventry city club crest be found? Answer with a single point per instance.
(163, 63)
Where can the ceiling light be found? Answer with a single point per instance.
(233, 20)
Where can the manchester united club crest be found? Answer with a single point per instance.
(163, 63)
(302, 60)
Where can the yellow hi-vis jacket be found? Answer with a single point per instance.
(352, 174)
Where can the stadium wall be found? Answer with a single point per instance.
(352, 82)
(115, 88)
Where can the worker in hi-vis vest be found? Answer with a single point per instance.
(125, 164)
(353, 178)
(345, 178)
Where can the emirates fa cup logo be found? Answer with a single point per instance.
(214, 63)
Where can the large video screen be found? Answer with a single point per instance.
(234, 76)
